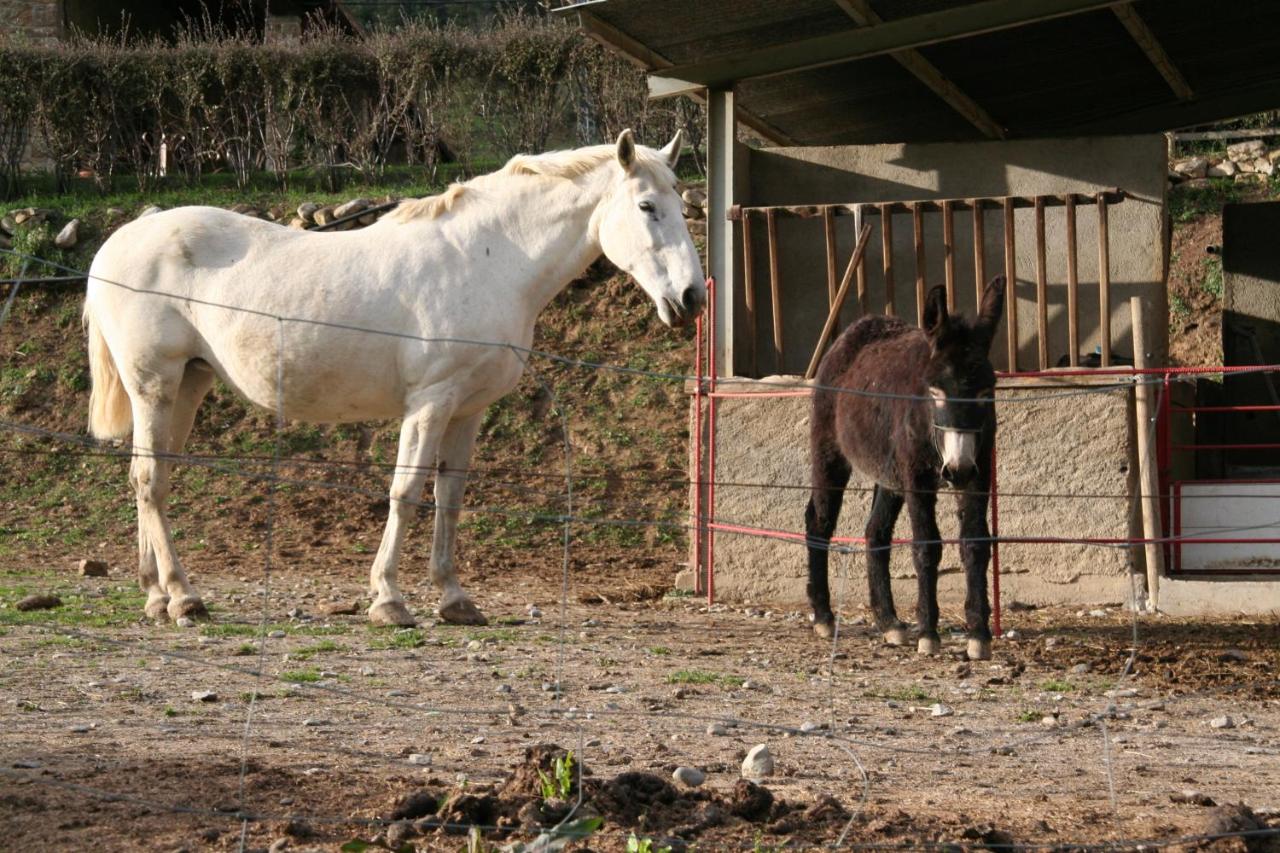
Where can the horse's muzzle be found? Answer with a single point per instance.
(958, 476)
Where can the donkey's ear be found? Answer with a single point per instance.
(626, 150)
(991, 308)
(671, 152)
(935, 314)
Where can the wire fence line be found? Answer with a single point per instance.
(838, 737)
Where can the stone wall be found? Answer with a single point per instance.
(37, 20)
(1052, 439)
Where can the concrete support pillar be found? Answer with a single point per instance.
(722, 183)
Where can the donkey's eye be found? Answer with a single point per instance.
(647, 206)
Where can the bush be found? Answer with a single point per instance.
(329, 104)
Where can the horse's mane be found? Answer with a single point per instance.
(562, 165)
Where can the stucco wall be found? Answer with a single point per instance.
(822, 175)
(1052, 439)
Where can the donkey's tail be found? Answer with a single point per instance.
(110, 414)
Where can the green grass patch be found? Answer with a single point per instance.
(1057, 685)
(914, 693)
(300, 676)
(1029, 716)
(320, 648)
(396, 638)
(701, 676)
(660, 651)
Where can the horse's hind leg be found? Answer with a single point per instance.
(451, 481)
(419, 439)
(154, 401)
(926, 553)
(885, 506)
(830, 476)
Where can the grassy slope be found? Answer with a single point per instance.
(627, 438)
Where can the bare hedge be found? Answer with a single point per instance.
(330, 104)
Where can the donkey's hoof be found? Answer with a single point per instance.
(188, 605)
(896, 637)
(928, 645)
(979, 649)
(825, 628)
(157, 608)
(391, 613)
(462, 612)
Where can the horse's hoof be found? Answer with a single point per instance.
(188, 605)
(391, 613)
(896, 636)
(825, 629)
(928, 645)
(158, 608)
(462, 612)
(979, 649)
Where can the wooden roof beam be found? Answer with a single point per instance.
(890, 37)
(927, 73)
(649, 60)
(1153, 49)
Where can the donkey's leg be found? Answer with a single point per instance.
(197, 379)
(885, 506)
(419, 439)
(830, 476)
(975, 553)
(159, 567)
(451, 481)
(926, 553)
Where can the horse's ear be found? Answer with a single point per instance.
(935, 314)
(991, 308)
(626, 150)
(671, 153)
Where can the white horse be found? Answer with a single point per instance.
(178, 298)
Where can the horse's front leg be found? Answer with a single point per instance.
(975, 553)
(419, 440)
(926, 553)
(451, 482)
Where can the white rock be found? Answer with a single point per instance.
(1264, 166)
(185, 622)
(203, 696)
(940, 710)
(354, 206)
(758, 763)
(689, 776)
(312, 721)
(1097, 614)
(1081, 669)
(1223, 722)
(1192, 167)
(535, 612)
(1248, 150)
(1225, 169)
(716, 730)
(420, 759)
(307, 210)
(1012, 635)
(68, 236)
(277, 635)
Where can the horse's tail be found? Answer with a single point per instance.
(110, 414)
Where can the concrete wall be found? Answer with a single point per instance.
(1051, 439)
(39, 21)
(961, 170)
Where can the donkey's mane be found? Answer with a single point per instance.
(563, 165)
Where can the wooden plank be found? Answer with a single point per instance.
(949, 254)
(910, 32)
(886, 250)
(829, 230)
(917, 227)
(928, 74)
(1042, 292)
(1011, 275)
(833, 314)
(1104, 281)
(809, 211)
(1149, 477)
(864, 302)
(1073, 287)
(1155, 51)
(749, 294)
(775, 290)
(979, 251)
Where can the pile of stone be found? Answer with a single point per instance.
(33, 217)
(1245, 162)
(311, 215)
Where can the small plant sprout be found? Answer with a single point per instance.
(559, 785)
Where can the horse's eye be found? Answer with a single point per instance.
(647, 206)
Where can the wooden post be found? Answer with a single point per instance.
(1104, 281)
(829, 229)
(775, 290)
(833, 316)
(864, 301)
(1148, 476)
(749, 293)
(949, 254)
(917, 226)
(1073, 286)
(1011, 295)
(886, 250)
(1042, 289)
(979, 251)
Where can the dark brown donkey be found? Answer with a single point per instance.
(908, 407)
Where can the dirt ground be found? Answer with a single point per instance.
(108, 744)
